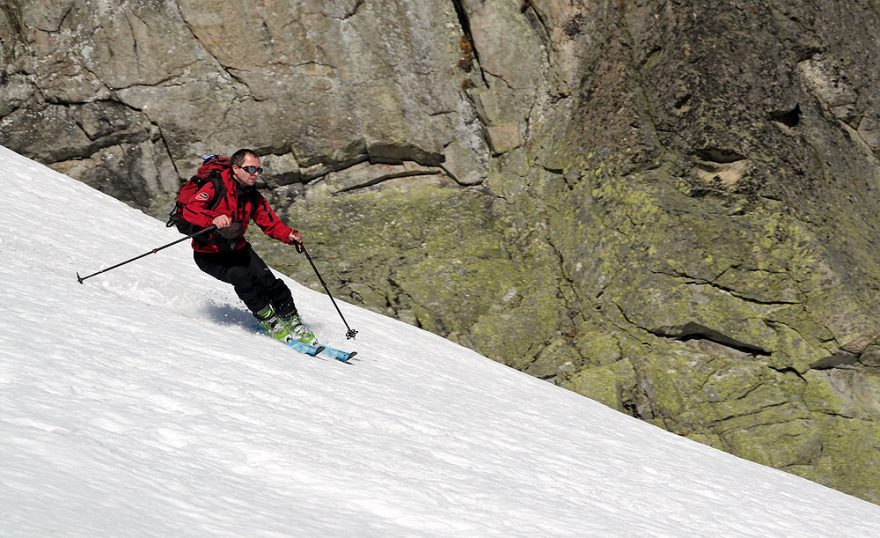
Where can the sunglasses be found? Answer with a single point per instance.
(252, 169)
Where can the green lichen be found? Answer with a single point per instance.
(850, 460)
(606, 384)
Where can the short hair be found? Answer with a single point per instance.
(238, 157)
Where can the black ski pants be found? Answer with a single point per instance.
(252, 279)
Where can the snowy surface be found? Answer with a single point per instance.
(141, 403)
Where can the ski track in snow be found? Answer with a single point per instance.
(141, 403)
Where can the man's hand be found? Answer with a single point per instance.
(295, 237)
(222, 221)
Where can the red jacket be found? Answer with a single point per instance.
(237, 204)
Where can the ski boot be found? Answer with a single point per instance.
(275, 326)
(297, 330)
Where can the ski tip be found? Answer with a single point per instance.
(343, 356)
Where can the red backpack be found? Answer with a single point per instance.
(212, 166)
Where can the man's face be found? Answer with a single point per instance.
(247, 173)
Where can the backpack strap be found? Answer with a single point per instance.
(219, 189)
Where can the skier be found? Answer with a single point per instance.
(227, 256)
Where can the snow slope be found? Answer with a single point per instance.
(141, 403)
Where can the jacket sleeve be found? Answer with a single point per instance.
(196, 210)
(269, 222)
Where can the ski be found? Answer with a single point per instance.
(305, 348)
(337, 354)
(314, 351)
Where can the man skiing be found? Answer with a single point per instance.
(227, 256)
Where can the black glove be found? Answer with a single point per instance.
(233, 231)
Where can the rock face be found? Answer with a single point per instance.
(669, 207)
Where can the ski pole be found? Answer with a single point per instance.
(155, 250)
(351, 332)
